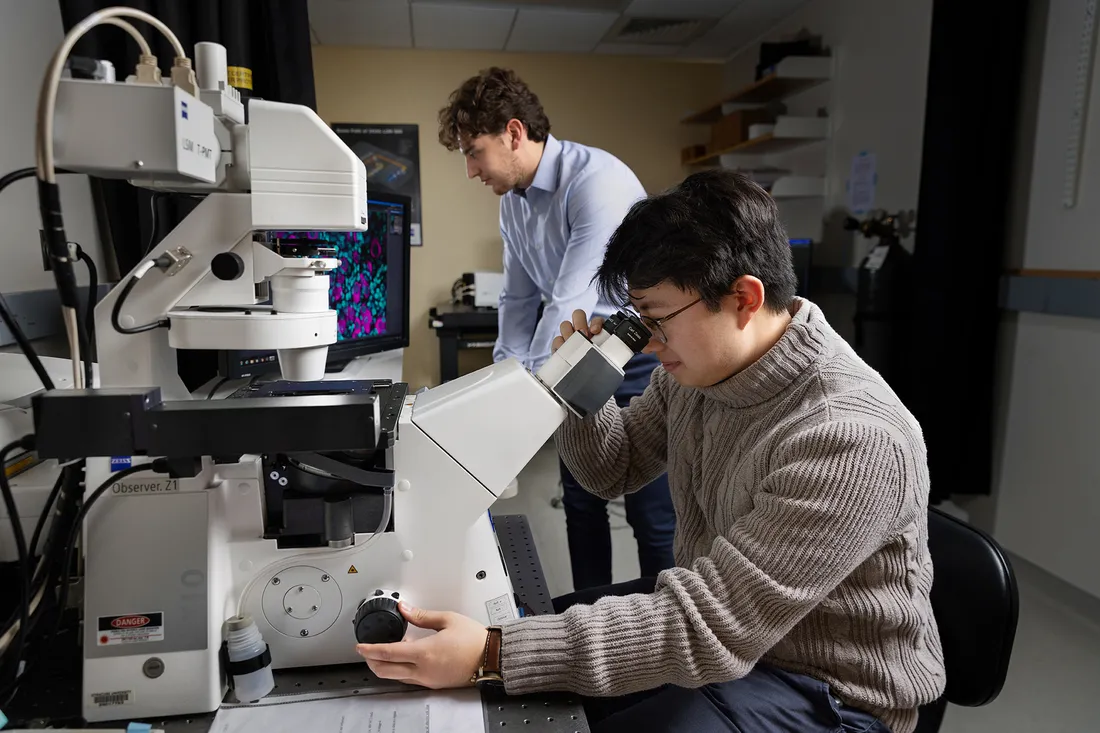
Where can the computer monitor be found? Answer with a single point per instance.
(369, 290)
(802, 255)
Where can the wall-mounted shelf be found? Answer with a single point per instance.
(791, 76)
(789, 133)
(738, 140)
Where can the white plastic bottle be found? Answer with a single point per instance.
(245, 644)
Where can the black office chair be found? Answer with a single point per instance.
(976, 604)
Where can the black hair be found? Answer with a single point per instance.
(702, 235)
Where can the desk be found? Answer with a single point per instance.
(52, 697)
(461, 327)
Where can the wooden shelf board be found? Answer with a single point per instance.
(768, 89)
(762, 145)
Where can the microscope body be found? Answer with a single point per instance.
(310, 509)
(189, 554)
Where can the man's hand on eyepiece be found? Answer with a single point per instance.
(580, 323)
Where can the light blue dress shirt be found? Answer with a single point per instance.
(555, 233)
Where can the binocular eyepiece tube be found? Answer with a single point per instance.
(585, 373)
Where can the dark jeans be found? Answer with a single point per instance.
(767, 700)
(649, 511)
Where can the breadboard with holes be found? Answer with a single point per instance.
(1082, 80)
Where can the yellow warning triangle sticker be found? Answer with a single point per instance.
(352, 570)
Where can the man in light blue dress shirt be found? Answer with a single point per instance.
(560, 203)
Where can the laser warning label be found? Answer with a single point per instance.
(133, 628)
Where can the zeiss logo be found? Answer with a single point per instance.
(183, 109)
(120, 462)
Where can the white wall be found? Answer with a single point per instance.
(1046, 501)
(875, 101)
(30, 31)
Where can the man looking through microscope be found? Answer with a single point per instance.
(560, 203)
(800, 597)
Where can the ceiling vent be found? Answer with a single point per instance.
(660, 31)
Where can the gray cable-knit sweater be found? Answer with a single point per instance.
(800, 486)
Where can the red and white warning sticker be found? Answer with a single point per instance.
(130, 629)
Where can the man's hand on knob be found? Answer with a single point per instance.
(580, 323)
(442, 660)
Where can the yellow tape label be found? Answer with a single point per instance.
(240, 77)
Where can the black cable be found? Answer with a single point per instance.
(60, 258)
(46, 510)
(20, 548)
(47, 573)
(93, 298)
(117, 309)
(217, 386)
(25, 345)
(17, 175)
(85, 329)
(153, 198)
(85, 351)
(42, 568)
(21, 173)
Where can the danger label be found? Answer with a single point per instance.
(133, 628)
(352, 570)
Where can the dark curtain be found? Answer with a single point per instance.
(974, 90)
(268, 43)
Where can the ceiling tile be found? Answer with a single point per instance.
(637, 49)
(681, 8)
(557, 31)
(379, 23)
(748, 21)
(461, 26)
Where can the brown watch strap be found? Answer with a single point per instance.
(491, 664)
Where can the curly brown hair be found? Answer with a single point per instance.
(485, 103)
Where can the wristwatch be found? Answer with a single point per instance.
(490, 673)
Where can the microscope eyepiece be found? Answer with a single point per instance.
(629, 329)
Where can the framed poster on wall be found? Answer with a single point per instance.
(391, 154)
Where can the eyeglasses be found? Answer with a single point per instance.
(655, 324)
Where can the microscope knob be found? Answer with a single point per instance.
(227, 266)
(379, 621)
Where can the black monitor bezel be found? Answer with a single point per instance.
(344, 351)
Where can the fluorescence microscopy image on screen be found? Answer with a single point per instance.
(358, 287)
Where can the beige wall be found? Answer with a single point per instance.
(630, 107)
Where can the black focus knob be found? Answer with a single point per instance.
(379, 621)
(227, 266)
